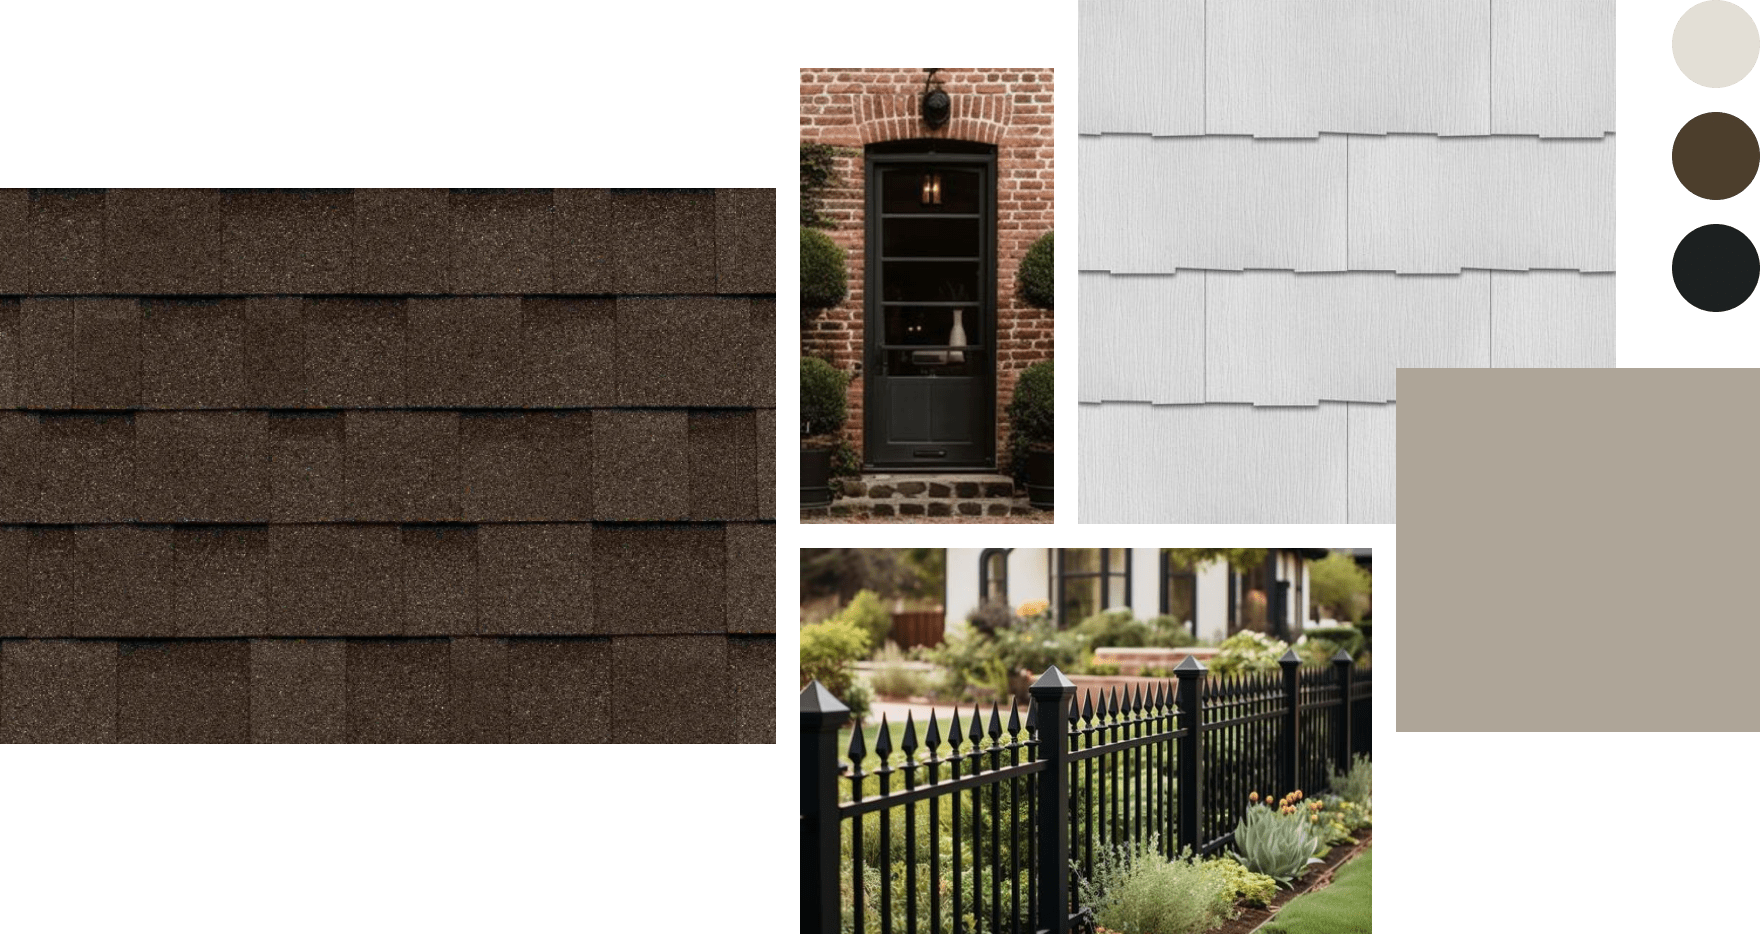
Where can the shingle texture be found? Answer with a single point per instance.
(387, 465)
(1284, 203)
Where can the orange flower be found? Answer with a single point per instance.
(1253, 797)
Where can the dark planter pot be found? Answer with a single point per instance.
(815, 476)
(1039, 467)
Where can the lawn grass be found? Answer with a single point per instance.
(1341, 908)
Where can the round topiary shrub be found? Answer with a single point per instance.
(823, 406)
(1036, 278)
(1030, 415)
(824, 281)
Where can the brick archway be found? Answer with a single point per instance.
(977, 118)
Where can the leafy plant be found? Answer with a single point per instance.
(991, 616)
(1333, 638)
(1247, 651)
(1340, 585)
(824, 407)
(893, 678)
(1031, 414)
(1170, 632)
(1278, 840)
(1114, 628)
(1036, 278)
(829, 651)
(824, 279)
(1356, 784)
(996, 658)
(866, 612)
(1136, 891)
(818, 172)
(1247, 886)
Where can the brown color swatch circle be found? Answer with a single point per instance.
(1715, 156)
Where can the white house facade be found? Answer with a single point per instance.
(1214, 600)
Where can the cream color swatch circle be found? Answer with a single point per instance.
(1715, 44)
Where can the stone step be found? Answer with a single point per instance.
(866, 507)
(927, 487)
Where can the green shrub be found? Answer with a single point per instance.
(1031, 414)
(1340, 584)
(994, 659)
(1138, 891)
(1339, 637)
(1037, 274)
(818, 172)
(1278, 840)
(845, 462)
(824, 407)
(991, 616)
(1355, 785)
(1114, 629)
(1247, 651)
(829, 651)
(1168, 632)
(892, 678)
(824, 280)
(1246, 885)
(866, 612)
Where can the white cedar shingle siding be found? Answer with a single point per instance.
(1143, 68)
(1465, 144)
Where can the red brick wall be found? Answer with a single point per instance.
(1010, 108)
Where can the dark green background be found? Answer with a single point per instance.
(1657, 326)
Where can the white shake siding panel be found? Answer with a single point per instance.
(1552, 67)
(1552, 319)
(1426, 204)
(1212, 463)
(1142, 338)
(1370, 435)
(1142, 67)
(1304, 67)
(1156, 204)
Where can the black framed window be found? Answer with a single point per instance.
(1088, 580)
(1179, 592)
(993, 576)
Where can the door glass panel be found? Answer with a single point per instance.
(934, 326)
(933, 362)
(925, 281)
(931, 236)
(929, 190)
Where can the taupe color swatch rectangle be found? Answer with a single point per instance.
(1566, 535)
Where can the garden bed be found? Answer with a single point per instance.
(1251, 919)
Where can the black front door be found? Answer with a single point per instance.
(931, 310)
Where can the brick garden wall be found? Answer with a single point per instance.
(1009, 108)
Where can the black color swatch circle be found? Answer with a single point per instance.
(1715, 267)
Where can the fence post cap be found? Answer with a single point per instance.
(1290, 658)
(820, 708)
(1052, 684)
(1341, 657)
(1189, 667)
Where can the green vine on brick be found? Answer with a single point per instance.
(818, 173)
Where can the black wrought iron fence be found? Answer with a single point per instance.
(985, 824)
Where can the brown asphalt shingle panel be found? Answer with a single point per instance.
(764, 431)
(193, 354)
(15, 594)
(84, 467)
(751, 577)
(402, 240)
(202, 466)
(186, 691)
(15, 240)
(18, 494)
(354, 352)
(569, 356)
(500, 240)
(526, 466)
(762, 334)
(58, 691)
(479, 690)
(222, 580)
(439, 567)
(689, 351)
(641, 465)
(751, 683)
(67, 241)
(335, 580)
(647, 703)
(724, 465)
(398, 691)
(9, 352)
(464, 352)
(106, 354)
(665, 241)
(536, 580)
(275, 351)
(289, 241)
(403, 466)
(299, 691)
(102, 580)
(584, 238)
(45, 349)
(660, 579)
(308, 467)
(745, 239)
(559, 690)
(163, 241)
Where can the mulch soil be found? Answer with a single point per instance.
(1318, 877)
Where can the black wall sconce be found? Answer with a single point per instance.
(937, 106)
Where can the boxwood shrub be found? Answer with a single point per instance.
(824, 280)
(1036, 278)
(1030, 414)
(823, 406)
